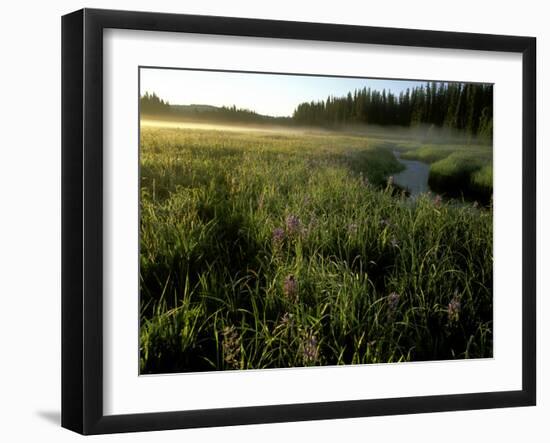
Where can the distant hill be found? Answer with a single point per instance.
(153, 106)
(194, 108)
(224, 114)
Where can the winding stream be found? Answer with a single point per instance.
(414, 177)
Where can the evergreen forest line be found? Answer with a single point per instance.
(466, 107)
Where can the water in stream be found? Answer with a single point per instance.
(414, 177)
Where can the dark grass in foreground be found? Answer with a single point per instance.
(283, 250)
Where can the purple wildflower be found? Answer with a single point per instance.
(293, 224)
(278, 235)
(309, 349)
(290, 287)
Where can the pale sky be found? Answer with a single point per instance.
(268, 94)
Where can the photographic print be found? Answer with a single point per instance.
(306, 220)
(301, 231)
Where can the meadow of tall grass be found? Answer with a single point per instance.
(272, 250)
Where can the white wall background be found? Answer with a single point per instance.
(30, 219)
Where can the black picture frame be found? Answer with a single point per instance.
(82, 232)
